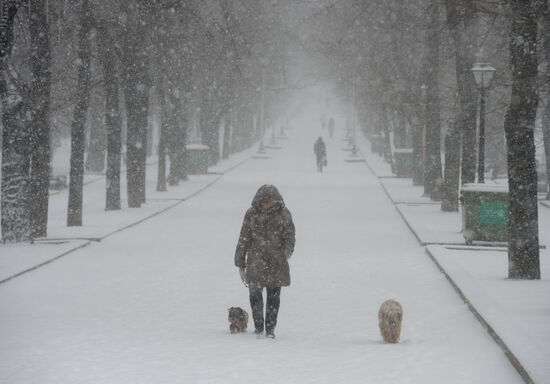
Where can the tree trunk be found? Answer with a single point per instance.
(136, 92)
(231, 78)
(214, 140)
(247, 135)
(40, 155)
(523, 246)
(242, 131)
(209, 127)
(387, 147)
(95, 158)
(433, 178)
(112, 117)
(174, 131)
(14, 199)
(234, 127)
(161, 177)
(164, 128)
(546, 136)
(76, 184)
(226, 134)
(183, 124)
(546, 112)
(461, 22)
(16, 215)
(150, 132)
(418, 155)
(451, 182)
(143, 154)
(385, 133)
(401, 137)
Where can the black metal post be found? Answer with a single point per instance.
(425, 161)
(481, 154)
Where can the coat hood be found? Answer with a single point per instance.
(268, 190)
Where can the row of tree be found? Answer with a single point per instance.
(120, 67)
(105, 73)
(409, 65)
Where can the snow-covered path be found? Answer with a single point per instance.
(149, 305)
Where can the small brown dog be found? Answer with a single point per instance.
(389, 320)
(238, 319)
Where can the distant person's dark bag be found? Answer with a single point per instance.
(325, 162)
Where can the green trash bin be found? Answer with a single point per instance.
(196, 159)
(484, 212)
(403, 160)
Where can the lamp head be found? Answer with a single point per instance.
(483, 75)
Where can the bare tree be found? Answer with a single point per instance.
(97, 140)
(232, 73)
(449, 202)
(523, 244)
(545, 22)
(108, 59)
(433, 176)
(76, 183)
(136, 85)
(40, 156)
(15, 221)
(162, 146)
(461, 21)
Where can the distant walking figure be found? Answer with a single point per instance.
(331, 127)
(265, 244)
(320, 150)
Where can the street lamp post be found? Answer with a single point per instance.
(483, 77)
(422, 138)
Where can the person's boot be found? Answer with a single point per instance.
(258, 333)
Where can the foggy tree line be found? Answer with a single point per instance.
(113, 68)
(104, 73)
(410, 63)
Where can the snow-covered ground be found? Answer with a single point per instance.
(517, 311)
(148, 304)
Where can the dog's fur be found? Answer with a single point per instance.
(390, 316)
(238, 319)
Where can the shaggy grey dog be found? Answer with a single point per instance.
(238, 319)
(389, 320)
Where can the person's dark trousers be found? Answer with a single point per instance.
(319, 163)
(272, 310)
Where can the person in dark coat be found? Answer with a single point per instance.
(320, 150)
(265, 244)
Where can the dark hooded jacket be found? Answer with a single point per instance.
(320, 148)
(266, 241)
